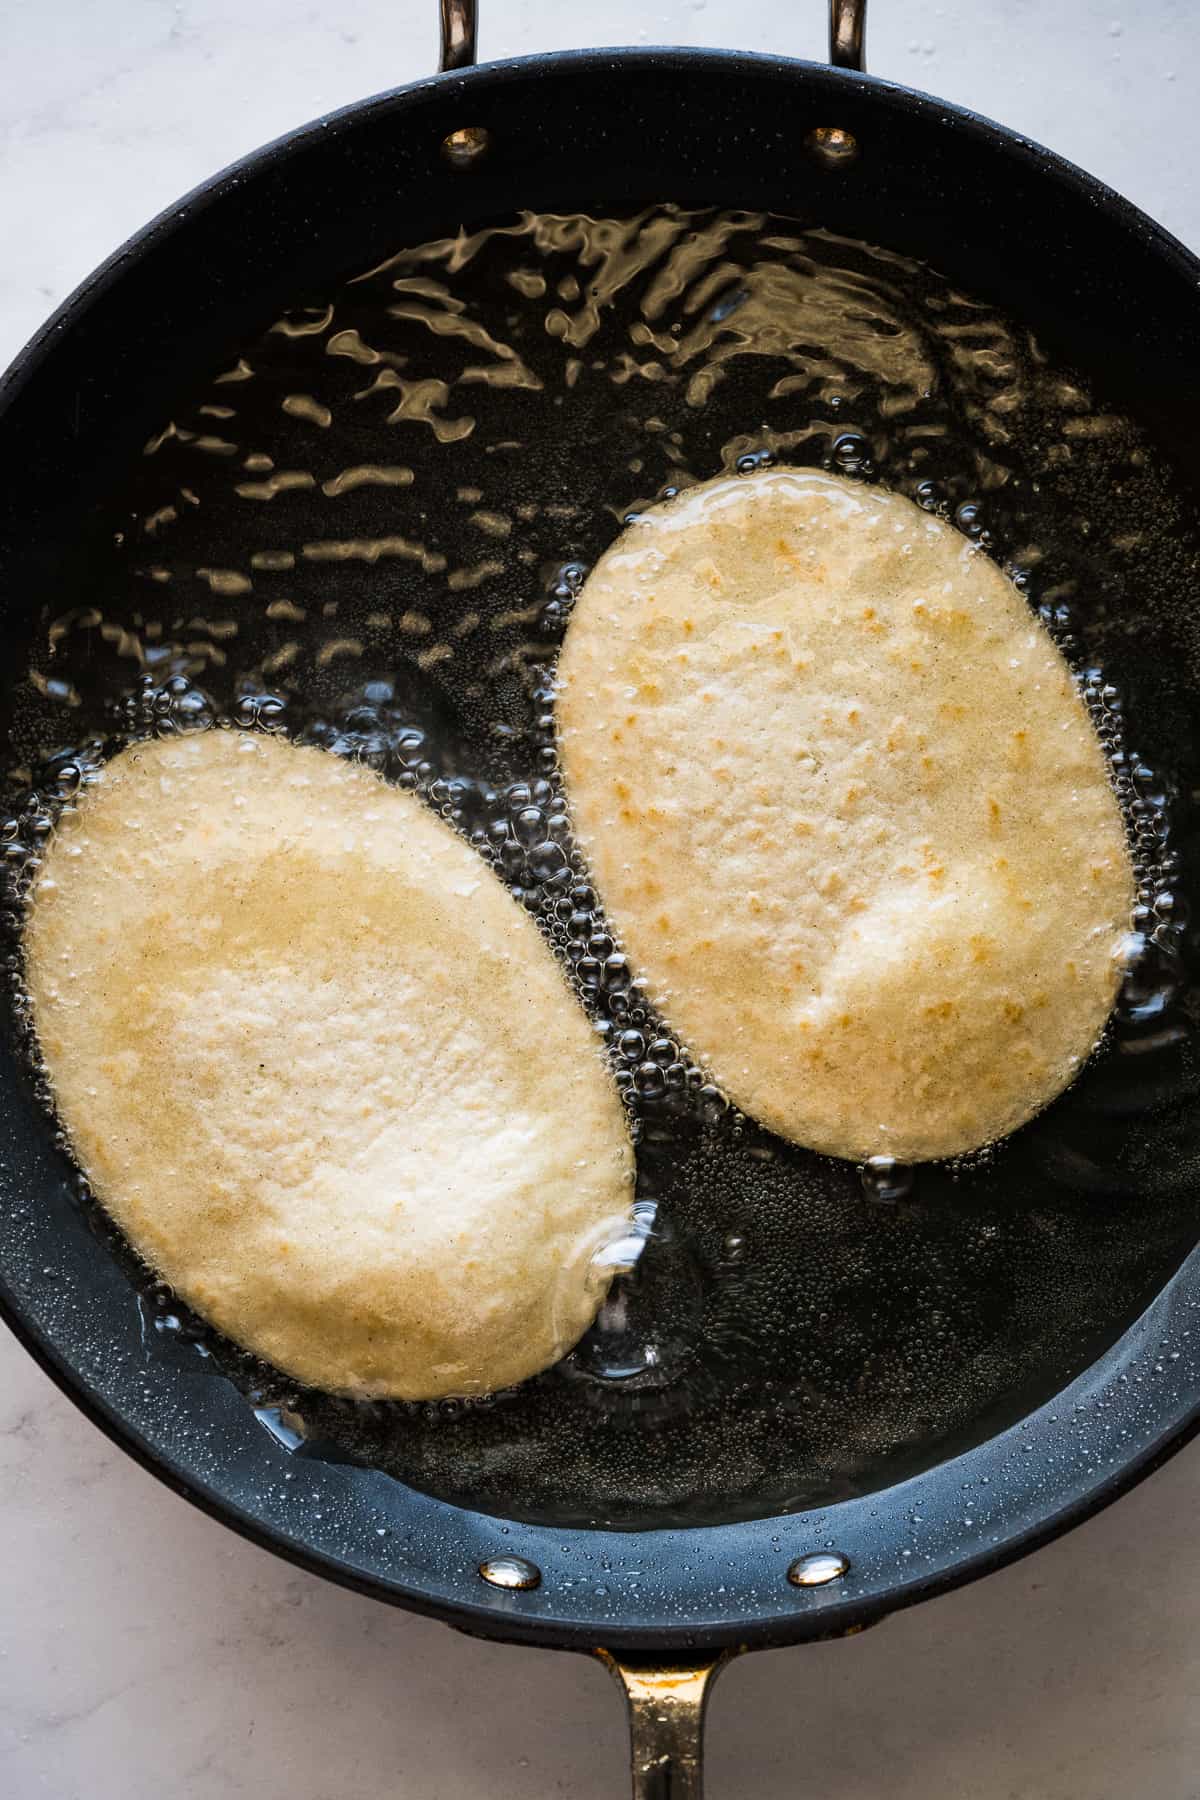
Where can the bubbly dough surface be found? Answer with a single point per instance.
(847, 812)
(323, 1071)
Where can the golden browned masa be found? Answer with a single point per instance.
(323, 1071)
(846, 811)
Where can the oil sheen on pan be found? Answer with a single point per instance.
(367, 528)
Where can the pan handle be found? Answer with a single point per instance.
(460, 30)
(847, 34)
(847, 30)
(666, 1721)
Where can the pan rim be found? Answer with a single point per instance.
(497, 74)
(822, 1613)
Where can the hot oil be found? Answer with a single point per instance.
(369, 531)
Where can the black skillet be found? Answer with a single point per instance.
(604, 133)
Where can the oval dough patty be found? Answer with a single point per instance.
(847, 812)
(323, 1071)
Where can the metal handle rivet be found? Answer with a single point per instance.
(466, 146)
(818, 1568)
(832, 145)
(511, 1572)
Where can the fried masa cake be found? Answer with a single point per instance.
(322, 1069)
(846, 812)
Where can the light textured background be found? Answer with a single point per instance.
(144, 1651)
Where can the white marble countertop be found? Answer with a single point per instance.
(146, 1651)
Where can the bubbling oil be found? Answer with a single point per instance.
(368, 530)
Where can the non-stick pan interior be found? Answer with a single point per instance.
(360, 514)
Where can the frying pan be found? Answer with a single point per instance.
(665, 1604)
